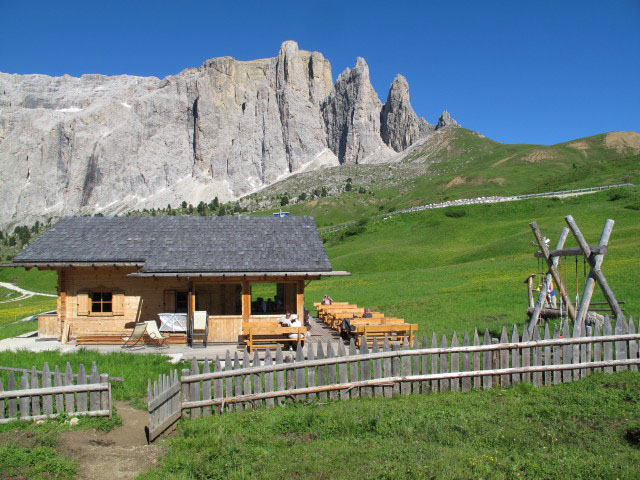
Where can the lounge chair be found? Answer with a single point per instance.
(200, 327)
(157, 339)
(136, 335)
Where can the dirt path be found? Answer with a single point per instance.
(24, 292)
(120, 454)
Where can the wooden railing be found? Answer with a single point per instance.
(42, 394)
(319, 372)
(164, 405)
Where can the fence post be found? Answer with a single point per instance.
(575, 350)
(547, 355)
(185, 391)
(280, 373)
(35, 399)
(608, 346)
(621, 347)
(567, 353)
(377, 368)
(425, 365)
(105, 395)
(388, 371)
(206, 389)
(633, 345)
(466, 364)
(268, 379)
(505, 380)
(246, 363)
(435, 386)
(455, 364)
(405, 369)
(12, 410)
(477, 381)
(47, 400)
(537, 358)
(57, 382)
(69, 400)
(82, 397)
(24, 401)
(331, 370)
(311, 371)
(353, 368)
(495, 363)
(228, 366)
(238, 380)
(365, 370)
(322, 373)
(487, 363)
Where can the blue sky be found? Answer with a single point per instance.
(519, 72)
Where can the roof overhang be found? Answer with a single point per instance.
(71, 264)
(239, 274)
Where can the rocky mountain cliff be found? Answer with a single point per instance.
(110, 144)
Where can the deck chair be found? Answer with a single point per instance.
(136, 335)
(199, 328)
(157, 339)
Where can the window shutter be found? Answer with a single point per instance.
(169, 301)
(118, 302)
(83, 303)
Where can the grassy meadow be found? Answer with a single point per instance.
(464, 267)
(460, 163)
(583, 430)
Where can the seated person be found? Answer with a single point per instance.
(291, 320)
(327, 300)
(287, 318)
(367, 313)
(345, 328)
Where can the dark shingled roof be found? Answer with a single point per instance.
(184, 244)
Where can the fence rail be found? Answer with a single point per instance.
(319, 371)
(42, 394)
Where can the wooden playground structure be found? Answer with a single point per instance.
(593, 255)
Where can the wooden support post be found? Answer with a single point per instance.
(529, 282)
(191, 307)
(246, 300)
(595, 265)
(300, 300)
(61, 305)
(591, 279)
(552, 263)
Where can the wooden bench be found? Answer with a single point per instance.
(375, 320)
(336, 320)
(258, 336)
(326, 316)
(395, 333)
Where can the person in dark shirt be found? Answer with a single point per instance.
(367, 313)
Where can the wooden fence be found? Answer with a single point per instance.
(164, 405)
(320, 373)
(42, 394)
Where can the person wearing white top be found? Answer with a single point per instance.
(291, 320)
(286, 320)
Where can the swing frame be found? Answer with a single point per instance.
(593, 255)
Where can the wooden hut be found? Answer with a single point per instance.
(114, 272)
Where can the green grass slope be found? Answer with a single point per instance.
(457, 163)
(583, 430)
(460, 268)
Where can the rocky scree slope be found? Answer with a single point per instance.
(112, 144)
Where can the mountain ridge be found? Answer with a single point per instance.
(100, 144)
